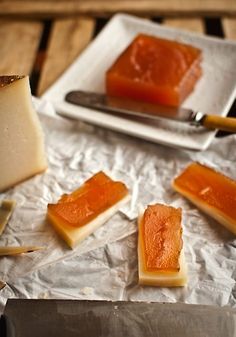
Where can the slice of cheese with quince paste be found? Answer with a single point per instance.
(78, 214)
(211, 191)
(21, 138)
(160, 247)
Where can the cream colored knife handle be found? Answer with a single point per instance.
(218, 122)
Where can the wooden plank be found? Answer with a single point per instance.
(53, 8)
(19, 44)
(68, 39)
(195, 24)
(229, 28)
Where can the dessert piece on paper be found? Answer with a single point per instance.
(210, 191)
(21, 138)
(155, 70)
(160, 247)
(77, 215)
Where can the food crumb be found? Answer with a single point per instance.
(87, 291)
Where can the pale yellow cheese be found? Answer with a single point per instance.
(74, 235)
(6, 210)
(212, 211)
(15, 250)
(160, 279)
(22, 152)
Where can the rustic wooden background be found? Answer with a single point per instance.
(43, 37)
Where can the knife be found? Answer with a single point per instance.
(128, 107)
(76, 318)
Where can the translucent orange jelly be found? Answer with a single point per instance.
(162, 238)
(155, 70)
(210, 187)
(84, 204)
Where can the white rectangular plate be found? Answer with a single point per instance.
(213, 94)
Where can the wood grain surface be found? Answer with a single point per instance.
(67, 40)
(53, 8)
(191, 24)
(229, 27)
(19, 44)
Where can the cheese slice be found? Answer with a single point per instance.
(78, 214)
(156, 277)
(6, 210)
(74, 235)
(15, 250)
(21, 138)
(211, 191)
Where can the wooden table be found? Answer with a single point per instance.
(42, 38)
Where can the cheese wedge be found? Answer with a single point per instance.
(75, 216)
(211, 191)
(21, 138)
(160, 255)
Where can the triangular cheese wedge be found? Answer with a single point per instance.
(21, 138)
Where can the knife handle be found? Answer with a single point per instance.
(218, 122)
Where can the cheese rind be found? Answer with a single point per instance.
(159, 278)
(74, 235)
(22, 152)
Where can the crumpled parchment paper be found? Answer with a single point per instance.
(104, 266)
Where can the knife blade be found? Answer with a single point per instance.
(128, 107)
(83, 318)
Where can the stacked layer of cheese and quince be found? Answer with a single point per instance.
(210, 191)
(77, 215)
(22, 152)
(160, 247)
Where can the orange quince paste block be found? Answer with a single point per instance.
(210, 191)
(155, 70)
(160, 253)
(77, 215)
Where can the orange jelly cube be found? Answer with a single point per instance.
(211, 191)
(95, 196)
(155, 70)
(161, 238)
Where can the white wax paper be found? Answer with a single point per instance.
(104, 266)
